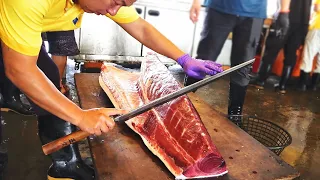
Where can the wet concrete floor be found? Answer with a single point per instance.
(297, 112)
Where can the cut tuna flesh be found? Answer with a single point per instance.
(173, 131)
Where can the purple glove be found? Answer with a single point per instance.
(198, 68)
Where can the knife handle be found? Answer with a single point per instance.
(60, 143)
(64, 141)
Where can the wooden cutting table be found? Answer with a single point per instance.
(121, 154)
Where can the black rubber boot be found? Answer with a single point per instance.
(66, 163)
(303, 82)
(263, 74)
(3, 155)
(3, 150)
(237, 95)
(315, 81)
(286, 74)
(3, 161)
(12, 101)
(190, 80)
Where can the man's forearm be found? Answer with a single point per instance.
(152, 38)
(285, 5)
(24, 73)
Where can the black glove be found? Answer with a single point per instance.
(282, 24)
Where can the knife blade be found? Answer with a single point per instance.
(178, 93)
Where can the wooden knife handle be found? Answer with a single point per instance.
(64, 141)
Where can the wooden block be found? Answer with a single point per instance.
(121, 154)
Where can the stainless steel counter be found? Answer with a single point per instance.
(108, 40)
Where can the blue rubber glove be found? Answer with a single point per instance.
(197, 68)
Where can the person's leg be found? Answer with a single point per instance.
(61, 62)
(217, 27)
(67, 162)
(295, 38)
(316, 73)
(309, 51)
(315, 81)
(273, 46)
(245, 41)
(12, 99)
(11, 94)
(3, 150)
(61, 45)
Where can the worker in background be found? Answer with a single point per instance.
(28, 66)
(310, 50)
(244, 19)
(61, 45)
(299, 21)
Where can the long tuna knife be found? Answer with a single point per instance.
(79, 135)
(178, 93)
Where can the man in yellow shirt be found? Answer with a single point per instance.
(310, 50)
(30, 69)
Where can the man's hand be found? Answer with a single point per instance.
(98, 121)
(282, 24)
(195, 11)
(198, 68)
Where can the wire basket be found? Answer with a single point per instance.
(267, 133)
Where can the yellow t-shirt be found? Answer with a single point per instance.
(22, 21)
(315, 20)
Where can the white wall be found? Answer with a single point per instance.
(272, 7)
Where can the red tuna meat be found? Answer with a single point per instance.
(173, 131)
